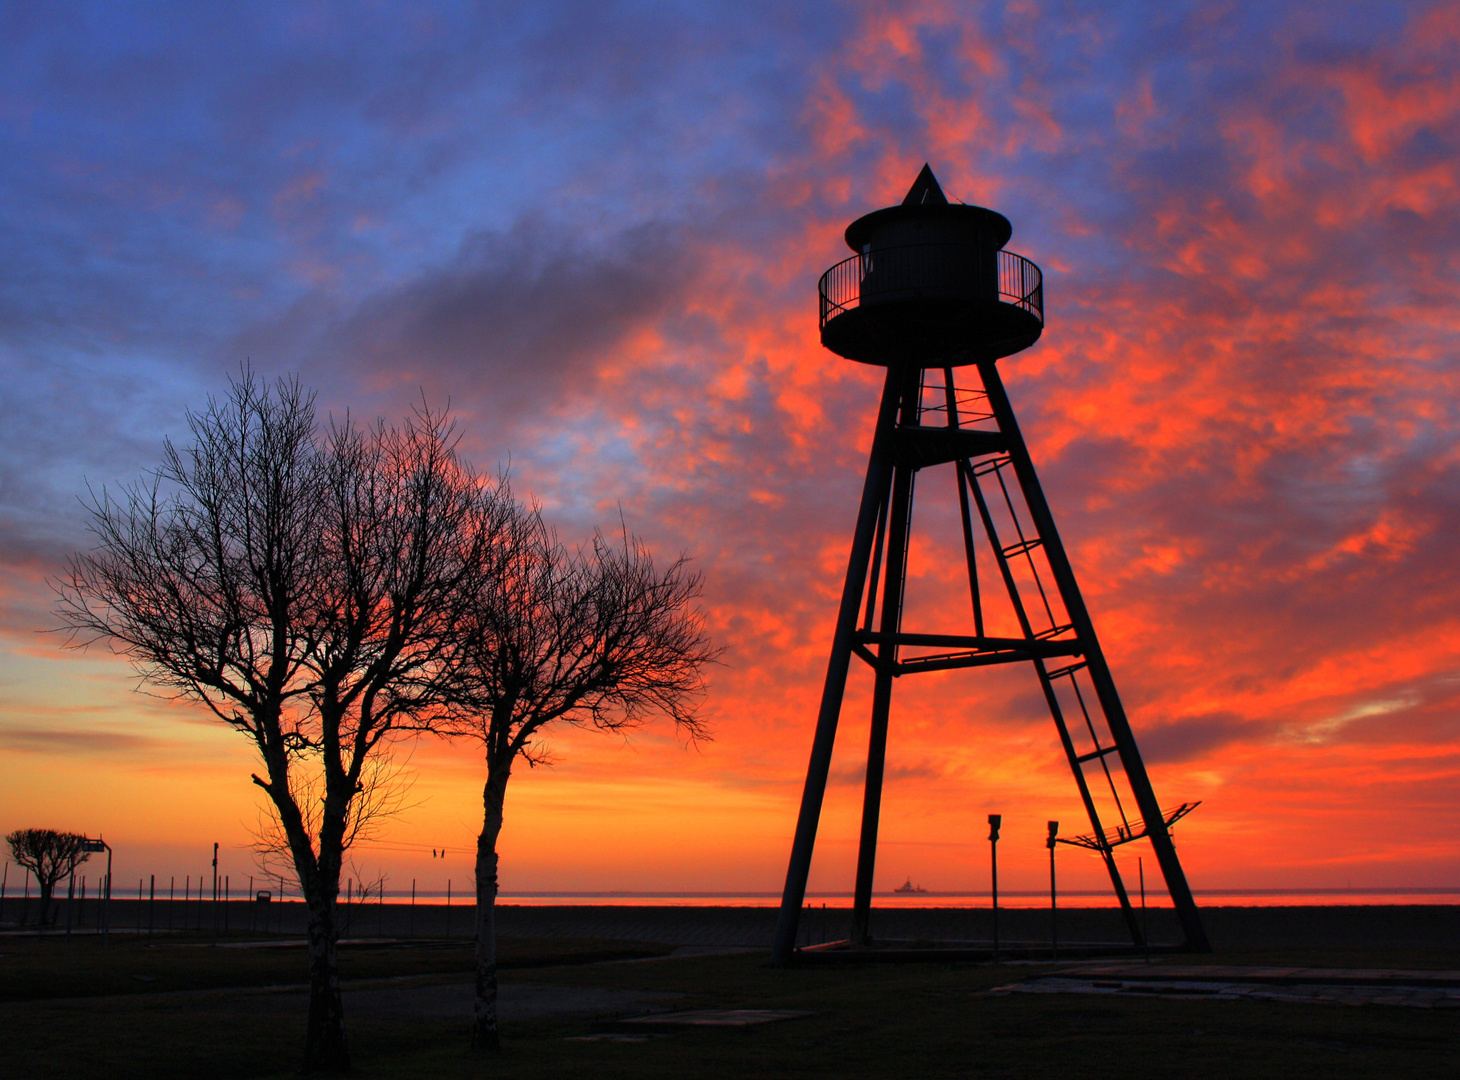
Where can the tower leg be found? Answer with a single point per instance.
(1056, 712)
(871, 811)
(1100, 677)
(874, 492)
(899, 519)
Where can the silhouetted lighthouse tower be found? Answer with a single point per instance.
(931, 291)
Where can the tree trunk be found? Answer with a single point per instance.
(324, 1044)
(47, 888)
(484, 1025)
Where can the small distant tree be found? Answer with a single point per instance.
(596, 638)
(49, 855)
(307, 586)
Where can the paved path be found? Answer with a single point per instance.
(1223, 982)
(517, 1002)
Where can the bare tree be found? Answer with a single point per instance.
(306, 585)
(595, 637)
(50, 856)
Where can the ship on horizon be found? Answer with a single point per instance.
(908, 887)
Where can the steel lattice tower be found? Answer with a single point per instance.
(931, 293)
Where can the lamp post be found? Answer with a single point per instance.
(995, 820)
(1054, 935)
(1145, 930)
(99, 844)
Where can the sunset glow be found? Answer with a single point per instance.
(598, 237)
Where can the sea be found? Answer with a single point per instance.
(930, 899)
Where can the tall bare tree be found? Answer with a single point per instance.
(595, 637)
(50, 856)
(307, 585)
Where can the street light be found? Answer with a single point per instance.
(995, 820)
(1054, 936)
(97, 845)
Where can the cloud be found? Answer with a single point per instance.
(1195, 737)
(856, 775)
(79, 742)
(520, 319)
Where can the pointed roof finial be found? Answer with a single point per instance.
(925, 190)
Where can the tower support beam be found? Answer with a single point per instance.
(899, 519)
(1100, 677)
(874, 494)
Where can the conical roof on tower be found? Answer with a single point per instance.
(925, 190)
(926, 205)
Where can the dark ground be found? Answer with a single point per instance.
(176, 1006)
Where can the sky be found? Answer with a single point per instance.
(596, 229)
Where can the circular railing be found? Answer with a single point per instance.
(927, 269)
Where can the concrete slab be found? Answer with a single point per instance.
(1273, 975)
(1421, 997)
(715, 1018)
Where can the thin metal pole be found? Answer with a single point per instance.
(995, 820)
(1054, 932)
(879, 477)
(1145, 932)
(151, 903)
(1099, 670)
(448, 907)
(106, 901)
(413, 907)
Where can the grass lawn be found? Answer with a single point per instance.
(926, 1021)
(33, 969)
